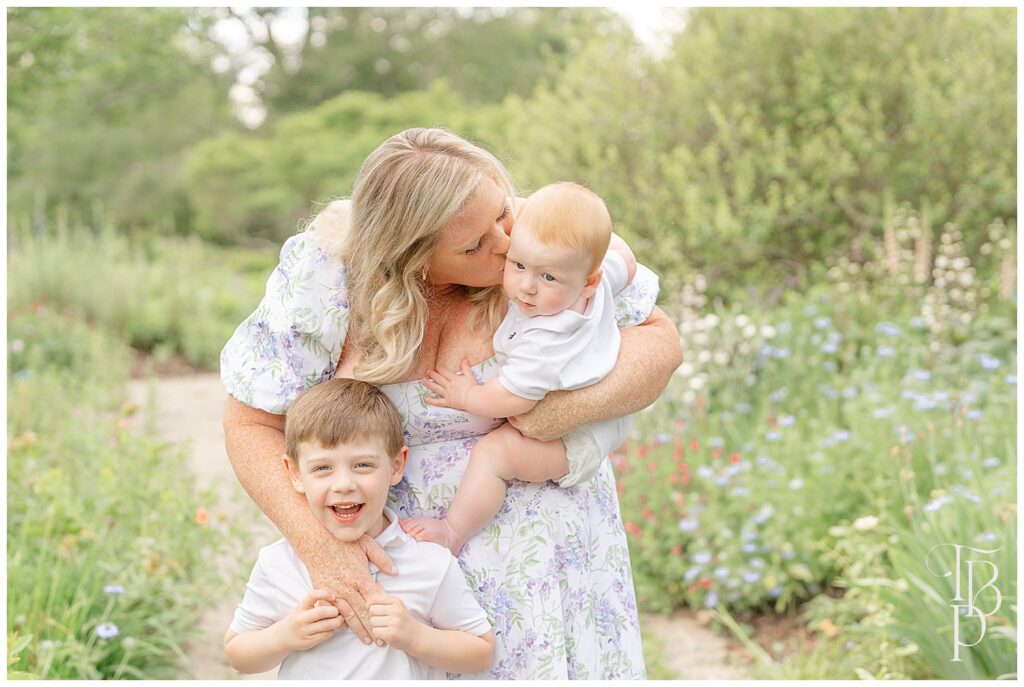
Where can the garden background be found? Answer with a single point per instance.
(828, 196)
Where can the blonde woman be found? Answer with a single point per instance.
(404, 278)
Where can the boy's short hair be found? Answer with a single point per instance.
(571, 216)
(339, 411)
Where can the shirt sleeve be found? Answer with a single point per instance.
(455, 607)
(634, 303)
(615, 271)
(527, 372)
(259, 608)
(293, 339)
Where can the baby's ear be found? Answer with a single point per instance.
(590, 286)
(398, 465)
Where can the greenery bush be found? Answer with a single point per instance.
(168, 296)
(111, 552)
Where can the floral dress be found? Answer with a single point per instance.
(552, 569)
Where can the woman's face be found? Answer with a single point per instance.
(471, 248)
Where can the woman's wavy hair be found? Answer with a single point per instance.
(410, 187)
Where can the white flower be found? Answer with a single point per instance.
(697, 383)
(768, 331)
(703, 357)
(749, 330)
(711, 320)
(742, 321)
(868, 522)
(721, 358)
(685, 370)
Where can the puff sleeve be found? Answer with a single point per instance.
(293, 339)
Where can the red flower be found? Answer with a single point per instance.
(673, 477)
(678, 453)
(694, 446)
(633, 529)
(704, 582)
(734, 457)
(715, 452)
(641, 450)
(676, 550)
(686, 478)
(647, 514)
(650, 467)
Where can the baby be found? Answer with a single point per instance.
(562, 270)
(344, 449)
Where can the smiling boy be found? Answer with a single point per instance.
(344, 449)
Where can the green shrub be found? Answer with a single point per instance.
(110, 552)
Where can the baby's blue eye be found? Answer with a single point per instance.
(519, 266)
(548, 277)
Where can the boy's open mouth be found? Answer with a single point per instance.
(346, 513)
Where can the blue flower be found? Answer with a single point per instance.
(702, 557)
(721, 572)
(786, 420)
(781, 353)
(936, 504)
(763, 460)
(810, 309)
(882, 412)
(841, 436)
(763, 514)
(113, 589)
(918, 322)
(829, 347)
(822, 322)
(827, 391)
(988, 362)
(826, 470)
(757, 563)
(710, 600)
(722, 481)
(923, 375)
(751, 576)
(974, 415)
(749, 548)
(740, 491)
(705, 472)
(990, 462)
(688, 524)
(987, 537)
(749, 535)
(784, 327)
(973, 498)
(107, 630)
(742, 408)
(887, 328)
(885, 352)
(1011, 379)
(830, 366)
(775, 592)
(773, 435)
(715, 442)
(691, 574)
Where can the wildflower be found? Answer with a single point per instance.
(781, 353)
(632, 529)
(128, 642)
(786, 420)
(749, 548)
(113, 589)
(829, 347)
(973, 498)
(918, 322)
(822, 322)
(935, 504)
(885, 352)
(749, 535)
(740, 492)
(990, 462)
(691, 574)
(763, 514)
(923, 375)
(676, 550)
(688, 524)
(722, 481)
(1011, 379)
(796, 483)
(828, 628)
(734, 457)
(841, 436)
(850, 392)
(988, 362)
(974, 415)
(721, 572)
(868, 522)
(768, 331)
(775, 592)
(742, 408)
(888, 329)
(757, 563)
(827, 391)
(45, 645)
(751, 576)
(663, 438)
(202, 516)
(763, 460)
(711, 600)
(702, 557)
(19, 620)
(705, 472)
(987, 537)
(715, 442)
(107, 631)
(773, 435)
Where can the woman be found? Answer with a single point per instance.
(404, 279)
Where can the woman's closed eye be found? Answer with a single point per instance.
(476, 249)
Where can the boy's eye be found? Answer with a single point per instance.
(320, 468)
(365, 465)
(547, 277)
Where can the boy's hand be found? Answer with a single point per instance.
(310, 624)
(391, 622)
(450, 387)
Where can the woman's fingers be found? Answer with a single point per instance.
(375, 554)
(352, 620)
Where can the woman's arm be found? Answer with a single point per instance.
(648, 355)
(254, 440)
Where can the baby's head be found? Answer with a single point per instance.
(560, 237)
(343, 449)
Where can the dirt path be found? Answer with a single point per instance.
(189, 411)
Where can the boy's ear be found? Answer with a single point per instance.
(398, 465)
(293, 471)
(590, 286)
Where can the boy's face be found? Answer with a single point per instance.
(346, 486)
(545, 280)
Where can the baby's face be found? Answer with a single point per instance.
(542, 279)
(346, 486)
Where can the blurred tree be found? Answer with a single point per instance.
(484, 53)
(102, 105)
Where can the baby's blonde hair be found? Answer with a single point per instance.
(571, 216)
(407, 190)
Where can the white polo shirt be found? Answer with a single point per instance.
(567, 350)
(429, 583)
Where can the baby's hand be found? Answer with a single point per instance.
(310, 624)
(391, 622)
(451, 388)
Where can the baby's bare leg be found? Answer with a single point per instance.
(502, 455)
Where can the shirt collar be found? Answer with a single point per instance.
(392, 535)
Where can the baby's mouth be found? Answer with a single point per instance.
(346, 512)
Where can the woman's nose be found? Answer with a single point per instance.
(501, 241)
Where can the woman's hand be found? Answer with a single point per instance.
(648, 355)
(254, 440)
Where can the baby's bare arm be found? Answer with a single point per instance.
(623, 249)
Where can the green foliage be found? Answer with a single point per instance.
(103, 104)
(771, 138)
(243, 186)
(108, 565)
(167, 296)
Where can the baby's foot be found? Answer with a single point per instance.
(437, 531)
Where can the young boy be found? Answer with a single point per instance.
(559, 333)
(344, 449)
